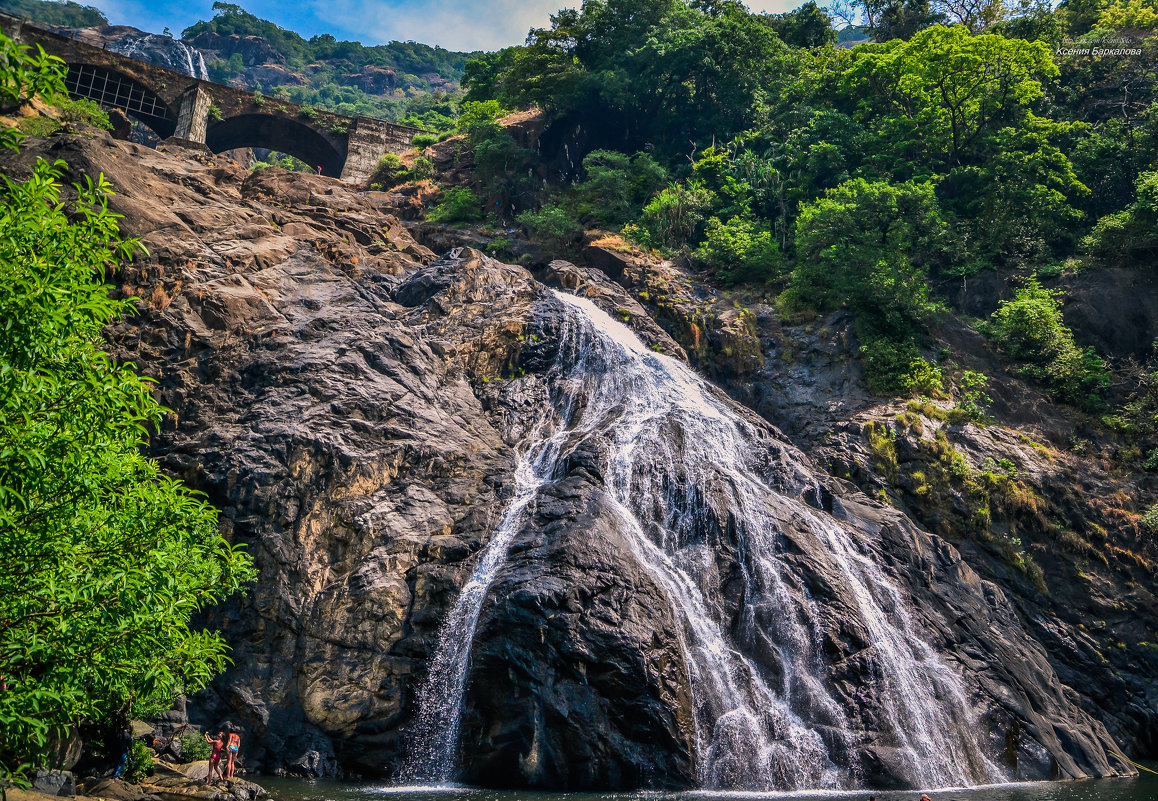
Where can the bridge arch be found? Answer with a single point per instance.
(109, 87)
(284, 134)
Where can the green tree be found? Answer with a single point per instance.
(1129, 236)
(103, 559)
(552, 224)
(1030, 332)
(741, 251)
(945, 91)
(658, 71)
(674, 218)
(616, 185)
(869, 246)
(807, 26)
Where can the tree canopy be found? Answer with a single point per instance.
(103, 559)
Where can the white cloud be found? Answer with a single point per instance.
(459, 24)
(778, 6)
(453, 24)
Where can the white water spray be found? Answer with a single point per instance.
(691, 476)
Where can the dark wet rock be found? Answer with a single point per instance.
(353, 405)
(577, 680)
(117, 790)
(54, 782)
(159, 49)
(254, 50)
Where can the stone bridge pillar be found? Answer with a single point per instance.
(368, 141)
(193, 115)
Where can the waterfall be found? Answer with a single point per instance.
(688, 471)
(163, 51)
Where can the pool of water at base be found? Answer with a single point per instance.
(1143, 788)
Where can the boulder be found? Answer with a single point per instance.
(54, 782)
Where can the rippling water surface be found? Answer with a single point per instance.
(1144, 788)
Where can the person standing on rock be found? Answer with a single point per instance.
(231, 754)
(217, 743)
(124, 745)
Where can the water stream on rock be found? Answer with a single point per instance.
(692, 478)
(148, 46)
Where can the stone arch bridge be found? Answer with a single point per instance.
(208, 115)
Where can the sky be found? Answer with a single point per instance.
(453, 24)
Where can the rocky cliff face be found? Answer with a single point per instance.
(355, 406)
(164, 51)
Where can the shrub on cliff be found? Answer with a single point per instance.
(103, 560)
(741, 251)
(1129, 236)
(458, 204)
(868, 247)
(1030, 332)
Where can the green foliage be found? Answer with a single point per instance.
(944, 93)
(458, 204)
(83, 111)
(1112, 156)
(392, 171)
(807, 26)
(868, 246)
(501, 166)
(662, 71)
(423, 169)
(25, 72)
(974, 400)
(673, 219)
(1150, 519)
(740, 250)
(194, 748)
(214, 114)
(882, 441)
(894, 367)
(282, 161)
(957, 109)
(554, 225)
(1030, 332)
(616, 185)
(479, 120)
(389, 172)
(424, 140)
(103, 560)
(140, 764)
(1129, 236)
(53, 12)
(37, 126)
(1136, 420)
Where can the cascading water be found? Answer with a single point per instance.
(687, 471)
(163, 51)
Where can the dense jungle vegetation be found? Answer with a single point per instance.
(962, 137)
